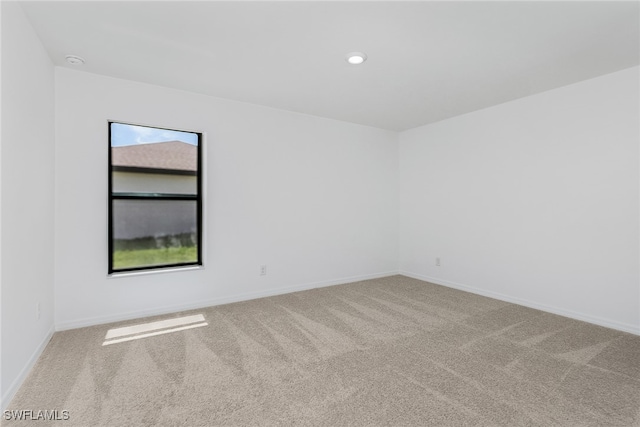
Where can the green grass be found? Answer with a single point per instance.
(149, 257)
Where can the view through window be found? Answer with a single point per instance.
(155, 200)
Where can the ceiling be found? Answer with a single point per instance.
(427, 60)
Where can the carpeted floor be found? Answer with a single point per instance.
(391, 351)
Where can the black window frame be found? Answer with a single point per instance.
(153, 196)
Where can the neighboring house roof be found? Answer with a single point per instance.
(162, 157)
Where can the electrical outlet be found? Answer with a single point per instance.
(263, 270)
(438, 262)
(38, 310)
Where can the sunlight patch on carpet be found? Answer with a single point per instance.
(150, 329)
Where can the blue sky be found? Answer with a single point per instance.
(122, 134)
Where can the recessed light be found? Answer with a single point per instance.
(74, 60)
(356, 58)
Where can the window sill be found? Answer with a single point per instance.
(154, 271)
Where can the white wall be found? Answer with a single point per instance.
(312, 198)
(533, 201)
(27, 177)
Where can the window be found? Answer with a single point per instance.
(155, 198)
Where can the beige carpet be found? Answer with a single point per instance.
(392, 351)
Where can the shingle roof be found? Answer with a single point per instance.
(171, 155)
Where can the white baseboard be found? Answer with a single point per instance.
(608, 323)
(15, 385)
(100, 320)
